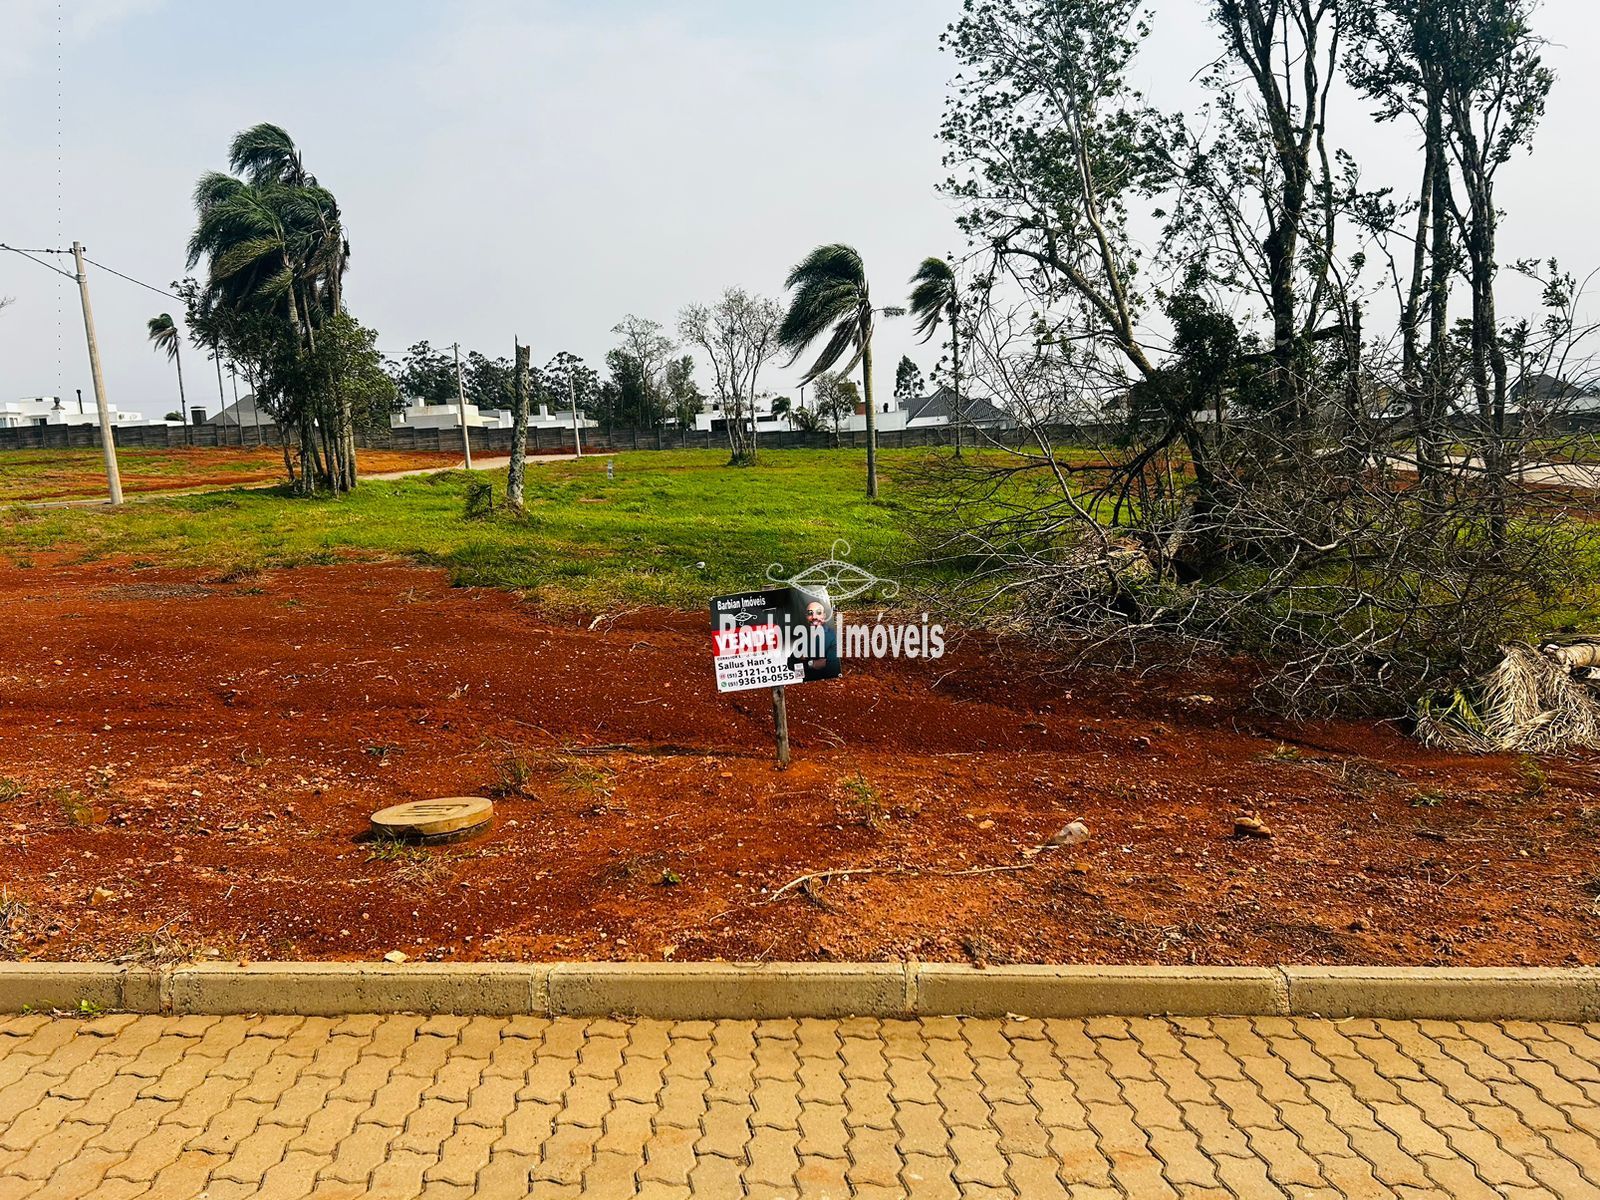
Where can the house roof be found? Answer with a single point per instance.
(941, 403)
(240, 412)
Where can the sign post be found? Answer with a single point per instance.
(780, 725)
(773, 639)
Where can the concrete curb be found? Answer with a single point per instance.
(765, 990)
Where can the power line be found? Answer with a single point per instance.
(29, 255)
(131, 279)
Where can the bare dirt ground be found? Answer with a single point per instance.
(67, 475)
(188, 765)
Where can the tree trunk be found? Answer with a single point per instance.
(519, 429)
(955, 372)
(183, 403)
(872, 419)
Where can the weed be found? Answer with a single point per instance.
(238, 573)
(87, 1008)
(479, 500)
(862, 802)
(1534, 780)
(670, 878)
(163, 947)
(412, 864)
(74, 806)
(512, 773)
(1428, 798)
(16, 914)
(583, 778)
(1285, 753)
(383, 750)
(10, 789)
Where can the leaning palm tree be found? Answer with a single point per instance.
(275, 245)
(830, 297)
(165, 337)
(935, 296)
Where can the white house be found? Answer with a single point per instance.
(448, 416)
(52, 410)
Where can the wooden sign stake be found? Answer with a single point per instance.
(780, 723)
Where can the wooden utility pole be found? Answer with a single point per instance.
(780, 725)
(519, 425)
(108, 445)
(461, 409)
(572, 398)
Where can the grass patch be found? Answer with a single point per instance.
(675, 526)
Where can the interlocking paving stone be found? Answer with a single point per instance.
(287, 1107)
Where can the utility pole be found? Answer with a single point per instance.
(461, 408)
(572, 396)
(108, 445)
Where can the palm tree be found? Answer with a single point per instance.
(275, 244)
(830, 296)
(164, 336)
(935, 296)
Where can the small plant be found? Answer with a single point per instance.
(1285, 753)
(382, 751)
(480, 500)
(15, 916)
(87, 1008)
(1534, 780)
(670, 878)
(10, 789)
(75, 806)
(862, 802)
(239, 572)
(412, 864)
(1428, 798)
(587, 779)
(512, 773)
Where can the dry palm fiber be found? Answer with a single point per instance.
(1530, 703)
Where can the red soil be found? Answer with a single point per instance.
(198, 758)
(181, 468)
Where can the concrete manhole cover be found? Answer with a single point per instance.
(433, 820)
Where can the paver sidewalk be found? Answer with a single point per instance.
(184, 1107)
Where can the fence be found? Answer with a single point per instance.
(559, 440)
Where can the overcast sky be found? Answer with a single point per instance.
(542, 168)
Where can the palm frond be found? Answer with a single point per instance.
(829, 297)
(933, 295)
(265, 153)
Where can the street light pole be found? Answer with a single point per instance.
(108, 445)
(461, 408)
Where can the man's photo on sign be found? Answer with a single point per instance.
(813, 637)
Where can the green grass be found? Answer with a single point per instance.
(583, 542)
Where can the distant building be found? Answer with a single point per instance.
(939, 408)
(242, 411)
(926, 412)
(52, 410)
(448, 416)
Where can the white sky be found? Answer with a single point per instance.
(540, 169)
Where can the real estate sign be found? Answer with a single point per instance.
(772, 638)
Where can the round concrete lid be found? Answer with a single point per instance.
(433, 818)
